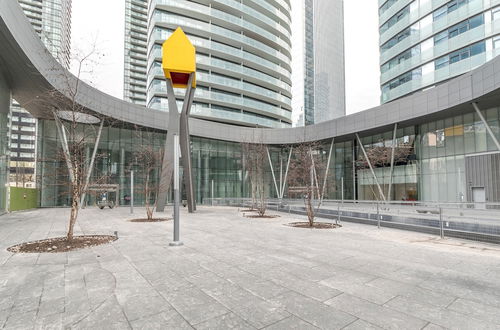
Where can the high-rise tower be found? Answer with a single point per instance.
(424, 43)
(135, 62)
(243, 57)
(324, 65)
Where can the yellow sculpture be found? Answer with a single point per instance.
(179, 59)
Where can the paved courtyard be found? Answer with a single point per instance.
(237, 273)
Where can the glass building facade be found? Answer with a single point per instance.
(243, 58)
(430, 162)
(426, 42)
(324, 67)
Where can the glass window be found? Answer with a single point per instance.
(478, 48)
(440, 12)
(476, 21)
(496, 42)
(441, 62)
(440, 37)
(495, 13)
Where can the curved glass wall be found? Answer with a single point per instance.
(430, 161)
(243, 59)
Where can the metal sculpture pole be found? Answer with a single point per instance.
(178, 125)
(179, 66)
(176, 241)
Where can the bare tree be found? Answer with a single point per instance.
(79, 131)
(255, 159)
(306, 167)
(149, 158)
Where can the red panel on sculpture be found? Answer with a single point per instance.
(179, 78)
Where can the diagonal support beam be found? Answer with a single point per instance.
(392, 160)
(326, 173)
(488, 128)
(65, 147)
(91, 165)
(186, 146)
(272, 171)
(315, 175)
(167, 164)
(371, 167)
(286, 173)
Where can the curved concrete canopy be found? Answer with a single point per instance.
(31, 71)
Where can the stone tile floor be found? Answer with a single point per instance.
(240, 273)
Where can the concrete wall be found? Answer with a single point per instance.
(484, 171)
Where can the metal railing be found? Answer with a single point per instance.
(473, 221)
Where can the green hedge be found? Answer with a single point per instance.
(23, 198)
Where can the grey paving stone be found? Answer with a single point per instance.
(361, 325)
(314, 312)
(21, 320)
(314, 290)
(473, 288)
(136, 307)
(108, 315)
(265, 289)
(396, 288)
(379, 315)
(364, 291)
(52, 259)
(477, 310)
(52, 321)
(52, 306)
(443, 317)
(26, 305)
(292, 323)
(4, 314)
(194, 305)
(432, 326)
(165, 320)
(226, 321)
(346, 276)
(259, 313)
(235, 272)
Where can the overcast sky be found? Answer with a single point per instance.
(105, 28)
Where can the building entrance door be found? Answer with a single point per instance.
(479, 197)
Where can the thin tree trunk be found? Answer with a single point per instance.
(149, 212)
(73, 215)
(310, 210)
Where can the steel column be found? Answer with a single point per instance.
(186, 146)
(272, 171)
(392, 160)
(176, 241)
(488, 128)
(91, 165)
(286, 173)
(64, 143)
(326, 172)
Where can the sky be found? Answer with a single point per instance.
(104, 28)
